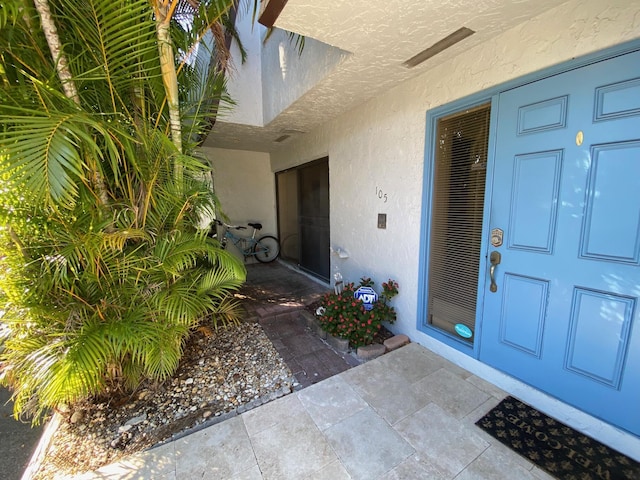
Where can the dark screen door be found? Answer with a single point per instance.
(313, 195)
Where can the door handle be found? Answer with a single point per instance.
(495, 259)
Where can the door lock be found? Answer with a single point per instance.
(495, 258)
(496, 237)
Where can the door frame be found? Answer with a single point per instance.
(433, 116)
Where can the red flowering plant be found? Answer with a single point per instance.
(342, 315)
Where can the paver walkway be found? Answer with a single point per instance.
(310, 359)
(275, 288)
(275, 296)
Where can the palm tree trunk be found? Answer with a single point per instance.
(66, 78)
(53, 40)
(163, 10)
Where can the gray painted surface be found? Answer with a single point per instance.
(17, 440)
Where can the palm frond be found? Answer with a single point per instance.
(197, 108)
(118, 240)
(163, 355)
(225, 260)
(48, 150)
(112, 45)
(297, 40)
(217, 283)
(228, 311)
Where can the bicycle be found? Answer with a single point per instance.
(265, 248)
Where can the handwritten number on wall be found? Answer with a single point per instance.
(381, 195)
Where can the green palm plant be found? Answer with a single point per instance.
(103, 270)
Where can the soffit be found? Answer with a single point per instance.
(380, 35)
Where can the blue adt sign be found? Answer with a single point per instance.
(367, 295)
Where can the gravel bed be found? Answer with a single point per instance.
(222, 372)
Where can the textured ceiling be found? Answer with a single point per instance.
(380, 35)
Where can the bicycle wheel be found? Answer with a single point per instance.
(266, 249)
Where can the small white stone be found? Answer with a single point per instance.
(77, 416)
(137, 420)
(143, 394)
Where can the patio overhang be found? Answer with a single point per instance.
(380, 39)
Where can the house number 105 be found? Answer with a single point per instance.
(381, 195)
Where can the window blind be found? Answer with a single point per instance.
(456, 218)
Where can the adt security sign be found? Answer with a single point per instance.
(367, 295)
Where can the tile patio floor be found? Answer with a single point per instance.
(406, 415)
(409, 414)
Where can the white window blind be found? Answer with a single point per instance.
(456, 218)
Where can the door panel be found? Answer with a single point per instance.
(288, 231)
(313, 221)
(612, 225)
(532, 219)
(566, 192)
(523, 313)
(600, 322)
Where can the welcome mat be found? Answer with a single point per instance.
(560, 450)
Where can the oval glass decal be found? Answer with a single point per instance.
(463, 330)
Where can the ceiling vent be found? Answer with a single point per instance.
(439, 46)
(286, 133)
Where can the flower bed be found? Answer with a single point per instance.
(344, 316)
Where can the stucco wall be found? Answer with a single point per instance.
(288, 75)
(274, 75)
(244, 80)
(378, 149)
(245, 186)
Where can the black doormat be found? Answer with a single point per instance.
(556, 448)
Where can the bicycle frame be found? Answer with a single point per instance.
(264, 249)
(246, 245)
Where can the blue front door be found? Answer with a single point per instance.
(565, 313)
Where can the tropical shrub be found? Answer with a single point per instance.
(344, 316)
(103, 270)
